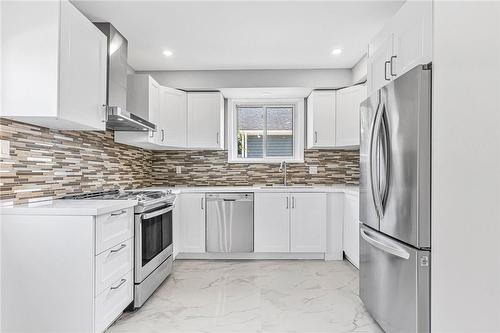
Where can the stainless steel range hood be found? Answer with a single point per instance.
(117, 116)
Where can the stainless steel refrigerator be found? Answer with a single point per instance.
(395, 153)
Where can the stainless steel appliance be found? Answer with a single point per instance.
(117, 118)
(229, 222)
(153, 237)
(394, 210)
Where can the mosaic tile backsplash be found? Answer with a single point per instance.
(45, 164)
(210, 168)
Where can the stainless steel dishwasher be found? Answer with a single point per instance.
(229, 222)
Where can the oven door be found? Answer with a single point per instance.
(153, 240)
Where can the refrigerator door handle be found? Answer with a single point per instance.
(386, 158)
(389, 248)
(374, 141)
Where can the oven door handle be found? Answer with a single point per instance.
(156, 213)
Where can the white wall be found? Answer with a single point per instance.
(360, 70)
(216, 79)
(465, 273)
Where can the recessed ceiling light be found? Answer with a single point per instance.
(336, 51)
(167, 53)
(266, 93)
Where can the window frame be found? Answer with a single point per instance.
(298, 129)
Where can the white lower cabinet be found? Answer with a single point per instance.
(110, 303)
(308, 222)
(351, 228)
(69, 273)
(290, 222)
(272, 222)
(192, 222)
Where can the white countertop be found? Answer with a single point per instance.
(68, 207)
(352, 189)
(99, 207)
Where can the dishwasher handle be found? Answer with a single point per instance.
(229, 197)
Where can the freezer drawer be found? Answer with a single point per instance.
(394, 282)
(229, 222)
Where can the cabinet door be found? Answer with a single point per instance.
(272, 222)
(347, 115)
(321, 119)
(351, 229)
(173, 116)
(308, 222)
(82, 70)
(205, 118)
(378, 66)
(412, 37)
(154, 112)
(192, 222)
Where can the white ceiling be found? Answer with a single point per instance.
(208, 35)
(279, 92)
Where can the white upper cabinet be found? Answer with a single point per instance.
(321, 119)
(173, 117)
(143, 100)
(347, 115)
(205, 120)
(405, 42)
(54, 66)
(333, 117)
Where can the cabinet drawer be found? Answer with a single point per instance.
(113, 263)
(112, 301)
(114, 228)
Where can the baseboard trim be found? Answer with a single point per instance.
(251, 256)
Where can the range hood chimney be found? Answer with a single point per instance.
(117, 116)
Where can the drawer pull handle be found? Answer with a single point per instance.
(120, 213)
(119, 249)
(119, 284)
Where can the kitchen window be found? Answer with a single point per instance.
(265, 131)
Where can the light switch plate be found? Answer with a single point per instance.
(313, 169)
(178, 169)
(4, 149)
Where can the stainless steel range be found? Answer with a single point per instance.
(153, 236)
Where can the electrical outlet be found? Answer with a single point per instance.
(178, 169)
(313, 169)
(4, 149)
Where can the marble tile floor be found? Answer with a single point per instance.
(283, 296)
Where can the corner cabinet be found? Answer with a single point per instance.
(205, 120)
(405, 42)
(333, 117)
(347, 115)
(290, 222)
(143, 99)
(165, 107)
(62, 84)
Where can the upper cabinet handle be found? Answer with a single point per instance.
(217, 137)
(392, 59)
(316, 137)
(385, 70)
